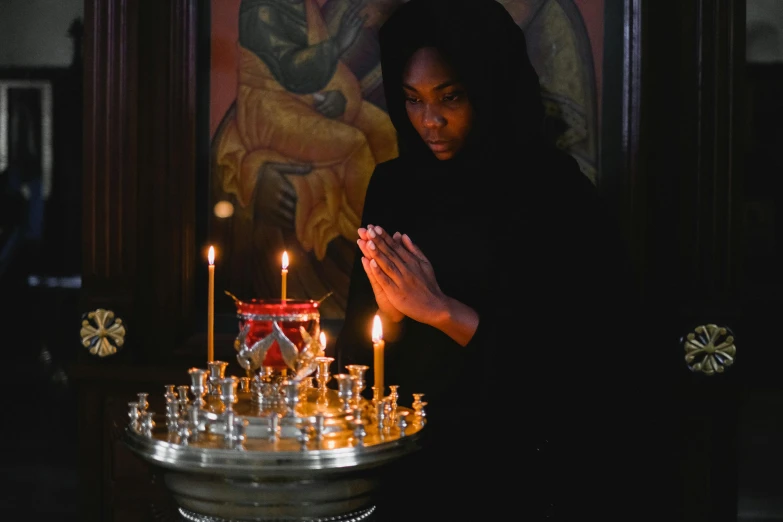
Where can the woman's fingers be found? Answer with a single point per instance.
(365, 249)
(362, 233)
(393, 248)
(382, 274)
(412, 248)
(368, 270)
(394, 255)
(375, 274)
(380, 256)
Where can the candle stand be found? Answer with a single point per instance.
(288, 441)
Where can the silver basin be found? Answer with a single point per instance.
(275, 471)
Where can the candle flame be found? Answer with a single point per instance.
(285, 260)
(322, 338)
(377, 329)
(211, 255)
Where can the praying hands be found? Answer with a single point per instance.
(404, 284)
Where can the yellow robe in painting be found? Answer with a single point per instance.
(275, 124)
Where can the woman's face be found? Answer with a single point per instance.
(437, 103)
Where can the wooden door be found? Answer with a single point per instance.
(699, 208)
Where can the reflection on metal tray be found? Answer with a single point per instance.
(274, 448)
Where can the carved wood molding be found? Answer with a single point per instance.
(168, 179)
(713, 73)
(184, 74)
(689, 154)
(140, 182)
(110, 143)
(689, 148)
(721, 60)
(622, 181)
(631, 99)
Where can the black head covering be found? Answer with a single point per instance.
(488, 51)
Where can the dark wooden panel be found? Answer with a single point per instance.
(689, 152)
(110, 474)
(139, 249)
(622, 182)
(140, 174)
(167, 174)
(110, 153)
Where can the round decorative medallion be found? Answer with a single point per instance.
(709, 349)
(102, 333)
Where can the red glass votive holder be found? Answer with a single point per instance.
(291, 315)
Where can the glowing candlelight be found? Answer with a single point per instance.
(322, 339)
(284, 273)
(211, 307)
(378, 346)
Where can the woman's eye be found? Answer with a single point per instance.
(452, 97)
(408, 99)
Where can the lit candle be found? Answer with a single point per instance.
(378, 345)
(322, 338)
(211, 307)
(284, 273)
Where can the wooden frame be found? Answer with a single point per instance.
(40, 109)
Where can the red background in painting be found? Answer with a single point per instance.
(223, 69)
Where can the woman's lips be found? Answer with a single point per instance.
(438, 146)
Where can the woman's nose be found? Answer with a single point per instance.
(433, 118)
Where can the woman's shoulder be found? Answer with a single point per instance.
(561, 172)
(559, 183)
(388, 167)
(382, 188)
(388, 175)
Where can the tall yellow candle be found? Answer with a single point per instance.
(284, 274)
(211, 307)
(378, 345)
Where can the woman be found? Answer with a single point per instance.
(502, 287)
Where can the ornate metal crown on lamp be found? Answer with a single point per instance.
(274, 445)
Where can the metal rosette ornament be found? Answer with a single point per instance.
(102, 333)
(709, 349)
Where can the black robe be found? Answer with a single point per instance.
(554, 389)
